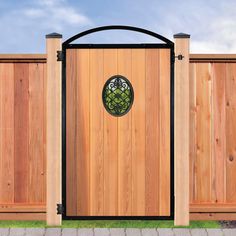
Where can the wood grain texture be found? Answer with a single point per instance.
(96, 133)
(53, 130)
(231, 133)
(212, 166)
(164, 174)
(181, 132)
(125, 143)
(22, 128)
(82, 142)
(192, 132)
(110, 142)
(203, 129)
(36, 133)
(23, 216)
(153, 135)
(21, 132)
(6, 133)
(71, 134)
(124, 156)
(138, 132)
(22, 207)
(218, 132)
(213, 216)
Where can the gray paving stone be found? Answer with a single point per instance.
(198, 232)
(165, 232)
(181, 232)
(215, 232)
(17, 231)
(69, 232)
(85, 232)
(53, 232)
(101, 232)
(117, 232)
(4, 231)
(34, 231)
(229, 232)
(133, 232)
(149, 232)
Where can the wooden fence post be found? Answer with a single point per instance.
(53, 140)
(181, 123)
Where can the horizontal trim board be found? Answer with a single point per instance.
(117, 217)
(208, 58)
(22, 208)
(212, 216)
(213, 208)
(22, 61)
(212, 56)
(22, 216)
(161, 45)
(23, 56)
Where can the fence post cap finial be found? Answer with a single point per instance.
(181, 35)
(53, 35)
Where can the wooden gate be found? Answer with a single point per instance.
(118, 156)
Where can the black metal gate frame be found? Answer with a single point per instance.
(167, 44)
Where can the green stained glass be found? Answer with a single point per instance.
(117, 95)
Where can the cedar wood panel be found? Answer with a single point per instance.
(22, 134)
(118, 166)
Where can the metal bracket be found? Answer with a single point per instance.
(180, 57)
(60, 56)
(60, 209)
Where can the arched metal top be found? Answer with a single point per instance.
(118, 27)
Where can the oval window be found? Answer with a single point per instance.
(117, 95)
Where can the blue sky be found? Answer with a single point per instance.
(24, 23)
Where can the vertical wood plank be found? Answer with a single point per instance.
(54, 144)
(110, 142)
(230, 133)
(138, 132)
(203, 139)
(44, 193)
(152, 164)
(6, 133)
(181, 132)
(21, 138)
(125, 143)
(96, 133)
(219, 132)
(36, 122)
(71, 132)
(192, 132)
(83, 152)
(164, 186)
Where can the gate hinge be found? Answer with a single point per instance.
(60, 209)
(60, 55)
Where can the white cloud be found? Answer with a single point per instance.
(23, 29)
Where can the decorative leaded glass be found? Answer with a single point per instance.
(117, 95)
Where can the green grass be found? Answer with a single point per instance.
(109, 224)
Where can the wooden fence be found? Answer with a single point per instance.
(22, 136)
(212, 136)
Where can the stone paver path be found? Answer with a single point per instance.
(115, 232)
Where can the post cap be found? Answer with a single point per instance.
(181, 35)
(53, 35)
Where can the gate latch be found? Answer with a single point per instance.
(180, 57)
(60, 209)
(59, 55)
